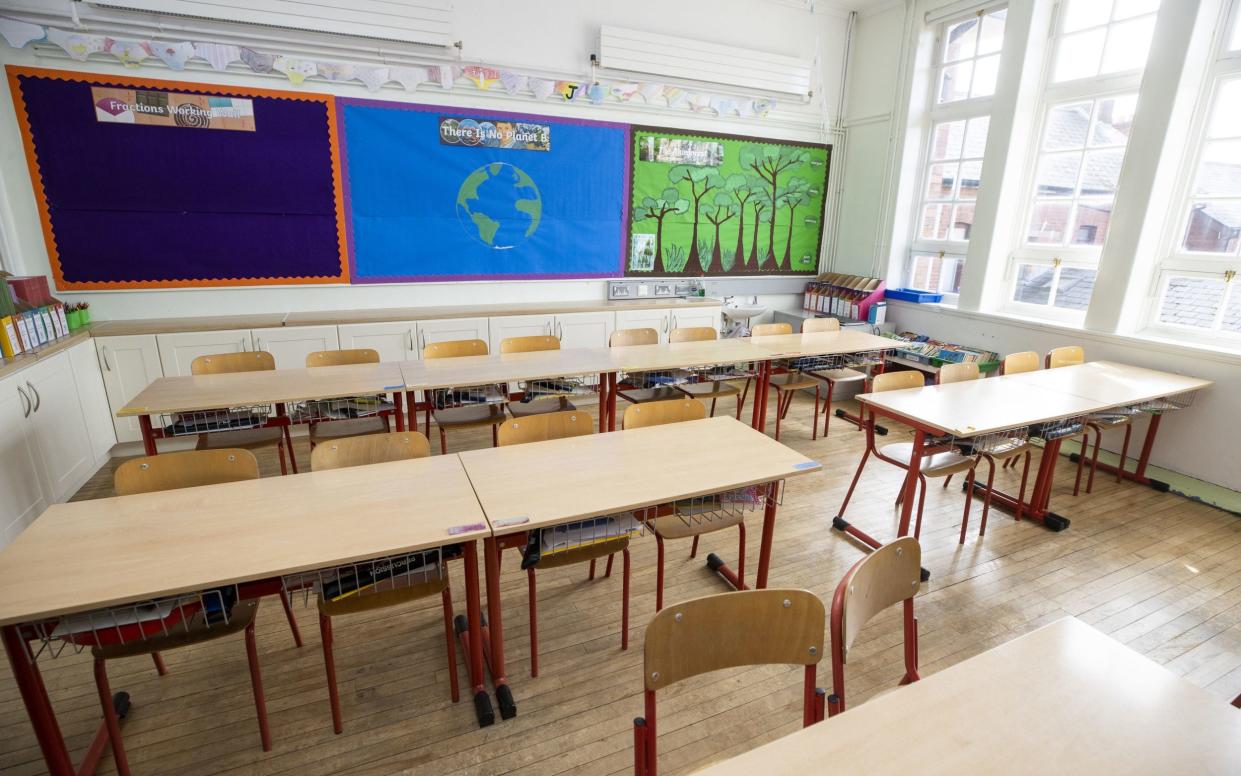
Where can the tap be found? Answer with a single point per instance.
(728, 301)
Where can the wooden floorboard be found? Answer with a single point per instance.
(1156, 571)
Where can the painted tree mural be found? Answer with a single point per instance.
(724, 205)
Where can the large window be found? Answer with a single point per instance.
(969, 56)
(1101, 37)
(954, 169)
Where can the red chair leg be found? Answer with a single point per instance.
(1021, 494)
(921, 487)
(986, 500)
(111, 721)
(495, 435)
(591, 575)
(443, 442)
(1081, 461)
(158, 660)
(814, 419)
(256, 683)
(451, 638)
(1124, 451)
(827, 407)
(659, 573)
(779, 412)
(714, 399)
(969, 496)
(693, 549)
(1237, 701)
(288, 437)
(534, 623)
(740, 555)
(288, 614)
(329, 662)
(607, 570)
(639, 747)
(624, 598)
(1094, 459)
(280, 451)
(852, 485)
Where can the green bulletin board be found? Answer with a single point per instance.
(704, 204)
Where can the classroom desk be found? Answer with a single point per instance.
(172, 395)
(1064, 699)
(543, 484)
(94, 554)
(978, 407)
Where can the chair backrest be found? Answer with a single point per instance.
(548, 425)
(745, 628)
(455, 348)
(342, 357)
(693, 334)
(885, 577)
(222, 363)
(957, 373)
(372, 448)
(1065, 356)
(623, 337)
(895, 381)
(169, 471)
(766, 329)
(1016, 363)
(657, 413)
(529, 344)
(817, 325)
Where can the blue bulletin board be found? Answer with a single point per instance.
(435, 193)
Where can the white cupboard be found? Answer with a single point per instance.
(645, 319)
(23, 498)
(695, 316)
(504, 327)
(129, 363)
(394, 341)
(178, 351)
(291, 344)
(93, 396)
(64, 447)
(449, 329)
(584, 330)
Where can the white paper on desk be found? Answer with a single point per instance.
(563, 537)
(95, 621)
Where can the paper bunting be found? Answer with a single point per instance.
(259, 63)
(651, 92)
(335, 71)
(624, 92)
(18, 33)
(76, 45)
(596, 93)
(675, 96)
(218, 55)
(568, 90)
(763, 107)
(513, 82)
(745, 109)
(296, 70)
(175, 55)
(542, 88)
(131, 53)
(372, 77)
(408, 77)
(482, 77)
(445, 74)
(723, 106)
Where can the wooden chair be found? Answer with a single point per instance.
(172, 471)
(940, 462)
(274, 432)
(888, 576)
(1070, 355)
(675, 526)
(729, 630)
(541, 428)
(956, 373)
(788, 383)
(378, 423)
(830, 376)
(1016, 363)
(536, 406)
(707, 388)
(362, 451)
(623, 338)
(461, 416)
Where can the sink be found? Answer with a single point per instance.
(743, 312)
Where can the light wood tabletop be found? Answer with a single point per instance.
(498, 368)
(1111, 383)
(206, 392)
(1064, 699)
(547, 483)
(91, 554)
(821, 343)
(679, 355)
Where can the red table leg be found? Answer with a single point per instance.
(717, 564)
(1138, 475)
(603, 401)
(1040, 495)
(504, 695)
(471, 637)
(398, 411)
(148, 434)
(611, 401)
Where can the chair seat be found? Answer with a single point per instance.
(583, 553)
(351, 427)
(642, 395)
(524, 409)
(792, 381)
(1013, 448)
(709, 389)
(182, 635)
(470, 415)
(389, 593)
(839, 375)
(246, 439)
(679, 527)
(937, 465)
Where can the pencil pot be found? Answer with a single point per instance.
(75, 319)
(83, 317)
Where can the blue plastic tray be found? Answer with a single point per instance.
(912, 295)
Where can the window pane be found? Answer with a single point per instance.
(1033, 283)
(1219, 172)
(1191, 301)
(962, 222)
(1129, 8)
(1091, 221)
(935, 222)
(1048, 223)
(1073, 291)
(936, 273)
(1078, 55)
(955, 82)
(1226, 119)
(1067, 126)
(991, 36)
(1080, 14)
(1214, 227)
(1057, 174)
(1102, 172)
(960, 40)
(946, 140)
(940, 180)
(986, 70)
(1236, 38)
(970, 174)
(976, 138)
(1113, 120)
(1128, 44)
(1232, 312)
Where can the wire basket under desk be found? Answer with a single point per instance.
(198, 422)
(827, 362)
(344, 408)
(368, 577)
(1165, 404)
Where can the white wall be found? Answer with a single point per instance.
(557, 40)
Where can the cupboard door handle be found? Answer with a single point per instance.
(258, 343)
(559, 331)
(38, 400)
(103, 352)
(243, 345)
(411, 340)
(26, 405)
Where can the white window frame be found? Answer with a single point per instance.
(1060, 34)
(1176, 261)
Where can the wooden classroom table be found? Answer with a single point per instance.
(94, 554)
(1064, 699)
(977, 407)
(171, 395)
(544, 484)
